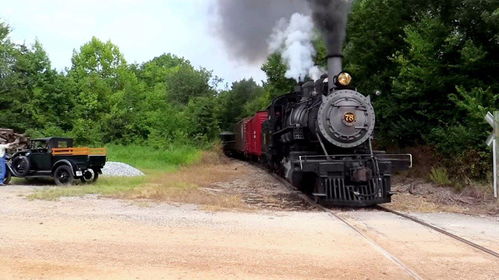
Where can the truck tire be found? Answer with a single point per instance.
(89, 176)
(63, 175)
(21, 166)
(96, 176)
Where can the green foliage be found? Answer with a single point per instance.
(183, 82)
(102, 59)
(476, 102)
(471, 164)
(101, 99)
(276, 84)
(440, 176)
(435, 62)
(202, 119)
(153, 159)
(244, 99)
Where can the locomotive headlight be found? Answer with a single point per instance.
(344, 79)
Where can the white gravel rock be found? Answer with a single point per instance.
(120, 169)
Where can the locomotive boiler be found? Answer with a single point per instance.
(319, 138)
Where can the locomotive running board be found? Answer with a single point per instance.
(399, 161)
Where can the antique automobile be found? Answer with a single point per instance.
(56, 158)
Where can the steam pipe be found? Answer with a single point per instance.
(334, 67)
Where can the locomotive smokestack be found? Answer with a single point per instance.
(334, 67)
(330, 17)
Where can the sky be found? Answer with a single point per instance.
(141, 29)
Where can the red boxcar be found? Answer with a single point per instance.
(254, 133)
(240, 136)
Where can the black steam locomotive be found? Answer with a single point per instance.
(319, 138)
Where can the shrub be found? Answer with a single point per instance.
(440, 176)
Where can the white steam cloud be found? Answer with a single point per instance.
(293, 39)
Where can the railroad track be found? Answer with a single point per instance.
(374, 244)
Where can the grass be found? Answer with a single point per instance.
(151, 159)
(153, 162)
(440, 176)
(173, 175)
(106, 186)
(183, 185)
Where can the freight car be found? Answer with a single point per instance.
(319, 138)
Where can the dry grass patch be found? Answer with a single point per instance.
(186, 184)
(411, 203)
(423, 196)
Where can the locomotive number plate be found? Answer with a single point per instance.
(349, 117)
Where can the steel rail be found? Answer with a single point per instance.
(370, 241)
(458, 238)
(380, 249)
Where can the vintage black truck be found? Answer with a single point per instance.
(55, 157)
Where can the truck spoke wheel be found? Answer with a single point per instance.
(63, 175)
(21, 166)
(88, 176)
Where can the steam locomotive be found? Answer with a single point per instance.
(319, 138)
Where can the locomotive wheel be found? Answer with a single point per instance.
(21, 166)
(63, 175)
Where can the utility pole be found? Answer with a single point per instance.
(493, 140)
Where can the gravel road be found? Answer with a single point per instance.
(100, 238)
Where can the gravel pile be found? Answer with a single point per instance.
(120, 169)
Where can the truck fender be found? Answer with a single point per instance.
(64, 162)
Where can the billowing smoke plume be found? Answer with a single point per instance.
(330, 17)
(250, 28)
(293, 39)
(246, 25)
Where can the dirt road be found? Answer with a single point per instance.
(97, 238)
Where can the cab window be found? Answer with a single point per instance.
(62, 144)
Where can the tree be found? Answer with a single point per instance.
(99, 58)
(155, 71)
(277, 84)
(26, 81)
(434, 62)
(98, 70)
(201, 113)
(183, 83)
(235, 102)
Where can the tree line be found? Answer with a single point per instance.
(435, 63)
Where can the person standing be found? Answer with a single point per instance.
(3, 170)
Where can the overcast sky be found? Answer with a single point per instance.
(141, 29)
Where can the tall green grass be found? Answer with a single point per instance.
(152, 159)
(440, 176)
